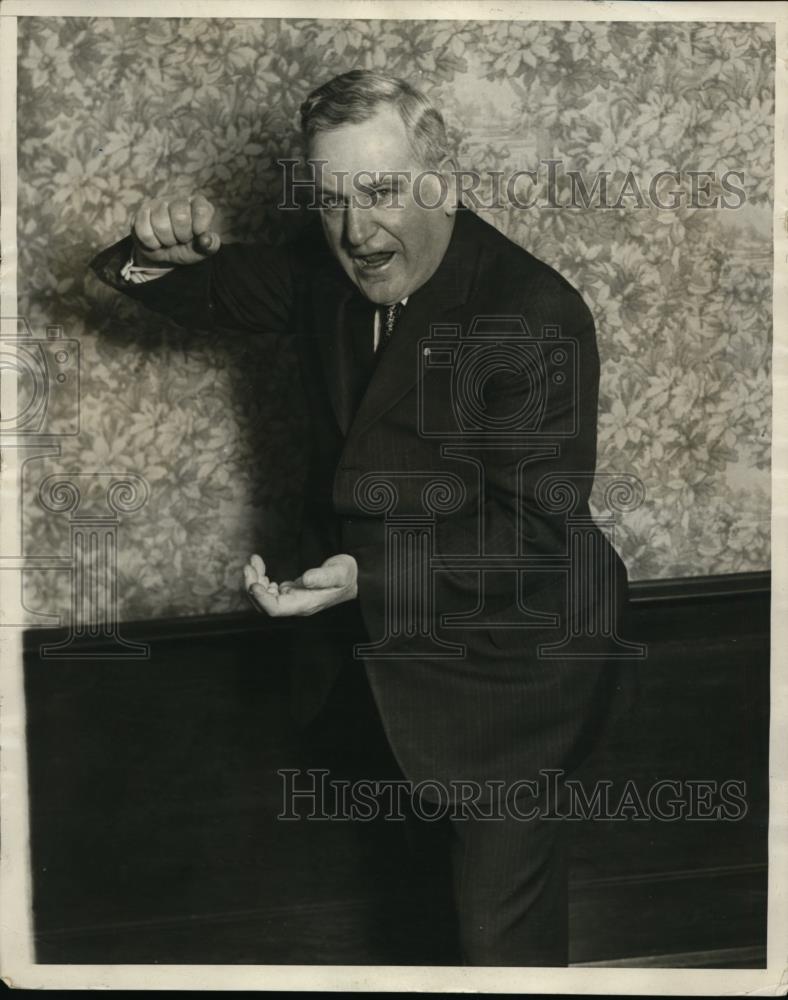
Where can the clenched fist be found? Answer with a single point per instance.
(173, 231)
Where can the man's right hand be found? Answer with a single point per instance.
(169, 231)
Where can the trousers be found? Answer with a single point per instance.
(501, 883)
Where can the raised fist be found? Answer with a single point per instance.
(173, 231)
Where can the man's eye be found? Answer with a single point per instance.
(372, 196)
(331, 204)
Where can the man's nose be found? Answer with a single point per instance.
(359, 224)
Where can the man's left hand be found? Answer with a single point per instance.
(315, 590)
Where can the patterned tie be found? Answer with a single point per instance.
(389, 321)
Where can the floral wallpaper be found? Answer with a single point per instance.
(112, 110)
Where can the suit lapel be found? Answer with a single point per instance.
(338, 306)
(345, 314)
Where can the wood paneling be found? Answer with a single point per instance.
(154, 797)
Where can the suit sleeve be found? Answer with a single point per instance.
(245, 287)
(560, 445)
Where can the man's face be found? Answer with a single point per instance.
(388, 243)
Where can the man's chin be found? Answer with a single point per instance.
(380, 292)
(380, 286)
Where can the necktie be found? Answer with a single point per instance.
(390, 315)
(365, 357)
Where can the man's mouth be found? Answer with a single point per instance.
(372, 261)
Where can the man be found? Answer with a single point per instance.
(440, 409)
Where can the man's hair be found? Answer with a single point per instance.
(357, 96)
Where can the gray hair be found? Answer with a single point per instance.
(356, 96)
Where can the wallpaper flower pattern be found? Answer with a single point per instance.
(111, 110)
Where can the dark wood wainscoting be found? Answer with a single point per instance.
(155, 794)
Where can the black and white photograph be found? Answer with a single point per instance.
(393, 540)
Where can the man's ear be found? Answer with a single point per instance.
(448, 170)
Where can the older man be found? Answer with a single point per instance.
(449, 375)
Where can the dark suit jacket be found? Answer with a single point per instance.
(524, 409)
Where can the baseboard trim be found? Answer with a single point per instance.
(699, 588)
(679, 875)
(751, 957)
(282, 910)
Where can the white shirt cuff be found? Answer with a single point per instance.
(136, 275)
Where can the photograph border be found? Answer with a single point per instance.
(17, 965)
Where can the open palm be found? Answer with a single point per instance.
(316, 589)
